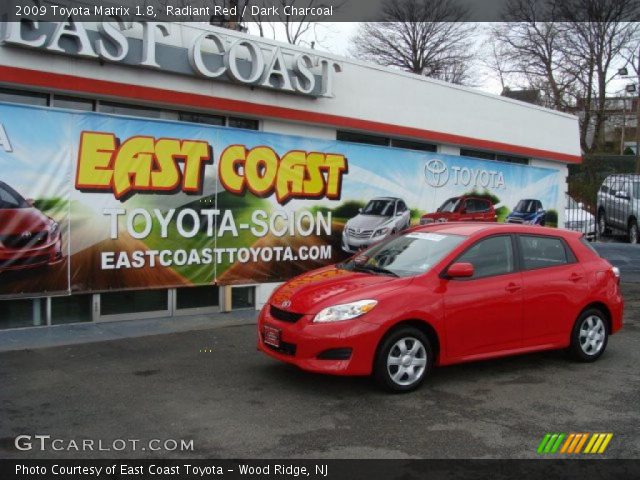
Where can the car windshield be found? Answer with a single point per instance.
(382, 208)
(9, 198)
(450, 205)
(526, 206)
(405, 255)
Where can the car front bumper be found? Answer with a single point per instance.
(33, 257)
(304, 344)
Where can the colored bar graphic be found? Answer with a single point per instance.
(572, 443)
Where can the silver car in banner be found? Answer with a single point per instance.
(381, 217)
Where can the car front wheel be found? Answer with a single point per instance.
(602, 224)
(403, 360)
(589, 336)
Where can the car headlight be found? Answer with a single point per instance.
(381, 231)
(426, 221)
(53, 228)
(347, 311)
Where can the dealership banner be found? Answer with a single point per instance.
(92, 202)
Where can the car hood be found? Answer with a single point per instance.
(311, 292)
(577, 214)
(368, 222)
(14, 221)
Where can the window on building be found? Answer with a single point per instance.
(368, 139)
(201, 118)
(362, 138)
(246, 123)
(73, 309)
(243, 297)
(467, 152)
(197, 297)
(20, 96)
(23, 313)
(137, 301)
(413, 145)
(73, 103)
(136, 111)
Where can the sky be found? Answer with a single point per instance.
(335, 38)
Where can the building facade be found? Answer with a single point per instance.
(218, 83)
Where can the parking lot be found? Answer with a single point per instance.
(213, 387)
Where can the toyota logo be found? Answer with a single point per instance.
(436, 173)
(286, 304)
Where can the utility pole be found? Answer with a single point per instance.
(638, 116)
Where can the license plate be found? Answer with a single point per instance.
(272, 336)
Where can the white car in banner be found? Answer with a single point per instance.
(381, 217)
(578, 219)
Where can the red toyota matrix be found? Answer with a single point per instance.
(444, 294)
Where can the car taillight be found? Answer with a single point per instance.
(616, 273)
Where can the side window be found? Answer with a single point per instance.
(401, 206)
(469, 206)
(541, 252)
(483, 206)
(491, 256)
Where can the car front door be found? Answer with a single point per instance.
(483, 313)
(555, 287)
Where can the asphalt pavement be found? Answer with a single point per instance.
(212, 386)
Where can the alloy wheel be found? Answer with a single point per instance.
(407, 361)
(592, 335)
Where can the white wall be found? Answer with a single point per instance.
(362, 91)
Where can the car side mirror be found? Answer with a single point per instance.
(31, 202)
(399, 214)
(540, 210)
(460, 270)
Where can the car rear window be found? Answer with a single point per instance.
(541, 252)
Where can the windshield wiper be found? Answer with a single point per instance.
(373, 268)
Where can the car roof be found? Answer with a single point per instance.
(469, 229)
(386, 198)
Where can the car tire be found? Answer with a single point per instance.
(403, 360)
(632, 234)
(589, 336)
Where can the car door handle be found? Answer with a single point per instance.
(576, 276)
(512, 287)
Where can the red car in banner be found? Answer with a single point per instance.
(444, 294)
(462, 209)
(28, 238)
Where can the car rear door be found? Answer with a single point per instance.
(483, 314)
(555, 287)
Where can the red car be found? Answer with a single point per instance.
(28, 238)
(444, 294)
(462, 209)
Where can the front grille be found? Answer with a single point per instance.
(24, 240)
(335, 354)
(515, 220)
(23, 261)
(359, 234)
(285, 348)
(284, 316)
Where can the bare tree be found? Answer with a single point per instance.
(568, 49)
(296, 30)
(426, 37)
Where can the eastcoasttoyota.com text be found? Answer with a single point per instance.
(319, 239)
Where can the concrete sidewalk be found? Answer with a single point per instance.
(79, 333)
